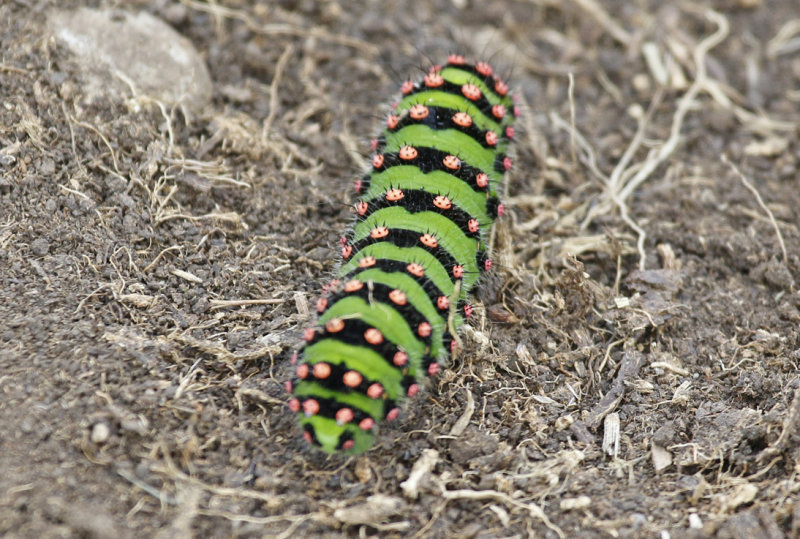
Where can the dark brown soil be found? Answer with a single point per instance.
(152, 289)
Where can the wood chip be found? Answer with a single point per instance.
(463, 421)
(188, 276)
(770, 147)
(740, 495)
(662, 459)
(363, 470)
(373, 512)
(421, 469)
(611, 435)
(138, 300)
(570, 504)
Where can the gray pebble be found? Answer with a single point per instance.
(40, 246)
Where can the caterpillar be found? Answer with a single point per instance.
(417, 246)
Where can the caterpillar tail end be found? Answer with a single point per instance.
(331, 437)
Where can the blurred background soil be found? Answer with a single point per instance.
(169, 207)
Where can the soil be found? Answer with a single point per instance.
(632, 366)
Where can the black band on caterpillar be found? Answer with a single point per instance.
(416, 249)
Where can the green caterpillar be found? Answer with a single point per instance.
(417, 248)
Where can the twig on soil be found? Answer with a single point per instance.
(687, 101)
(288, 532)
(611, 435)
(273, 92)
(626, 177)
(622, 169)
(725, 96)
(421, 469)
(90, 127)
(220, 352)
(590, 160)
(91, 295)
(150, 100)
(223, 303)
(165, 499)
(760, 201)
(185, 275)
(571, 100)
(238, 517)
(790, 426)
(184, 383)
(607, 355)
(158, 257)
(173, 473)
(785, 41)
(629, 368)
(463, 421)
(74, 192)
(208, 170)
(6, 67)
(229, 217)
(258, 395)
(269, 500)
(533, 509)
(282, 29)
(606, 21)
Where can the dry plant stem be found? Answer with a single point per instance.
(785, 41)
(223, 303)
(12, 69)
(628, 370)
(790, 426)
(102, 137)
(220, 352)
(169, 470)
(237, 517)
(533, 510)
(605, 20)
(158, 257)
(461, 425)
(654, 160)
(152, 491)
(571, 97)
(281, 29)
(760, 201)
(686, 102)
(621, 170)
(273, 92)
(589, 160)
(148, 100)
(209, 170)
(618, 191)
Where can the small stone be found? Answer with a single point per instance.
(641, 82)
(498, 313)
(40, 246)
(662, 459)
(176, 14)
(564, 422)
(120, 52)
(363, 470)
(100, 433)
(47, 167)
(778, 275)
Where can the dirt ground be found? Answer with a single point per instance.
(632, 370)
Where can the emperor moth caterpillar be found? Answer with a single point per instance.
(416, 249)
